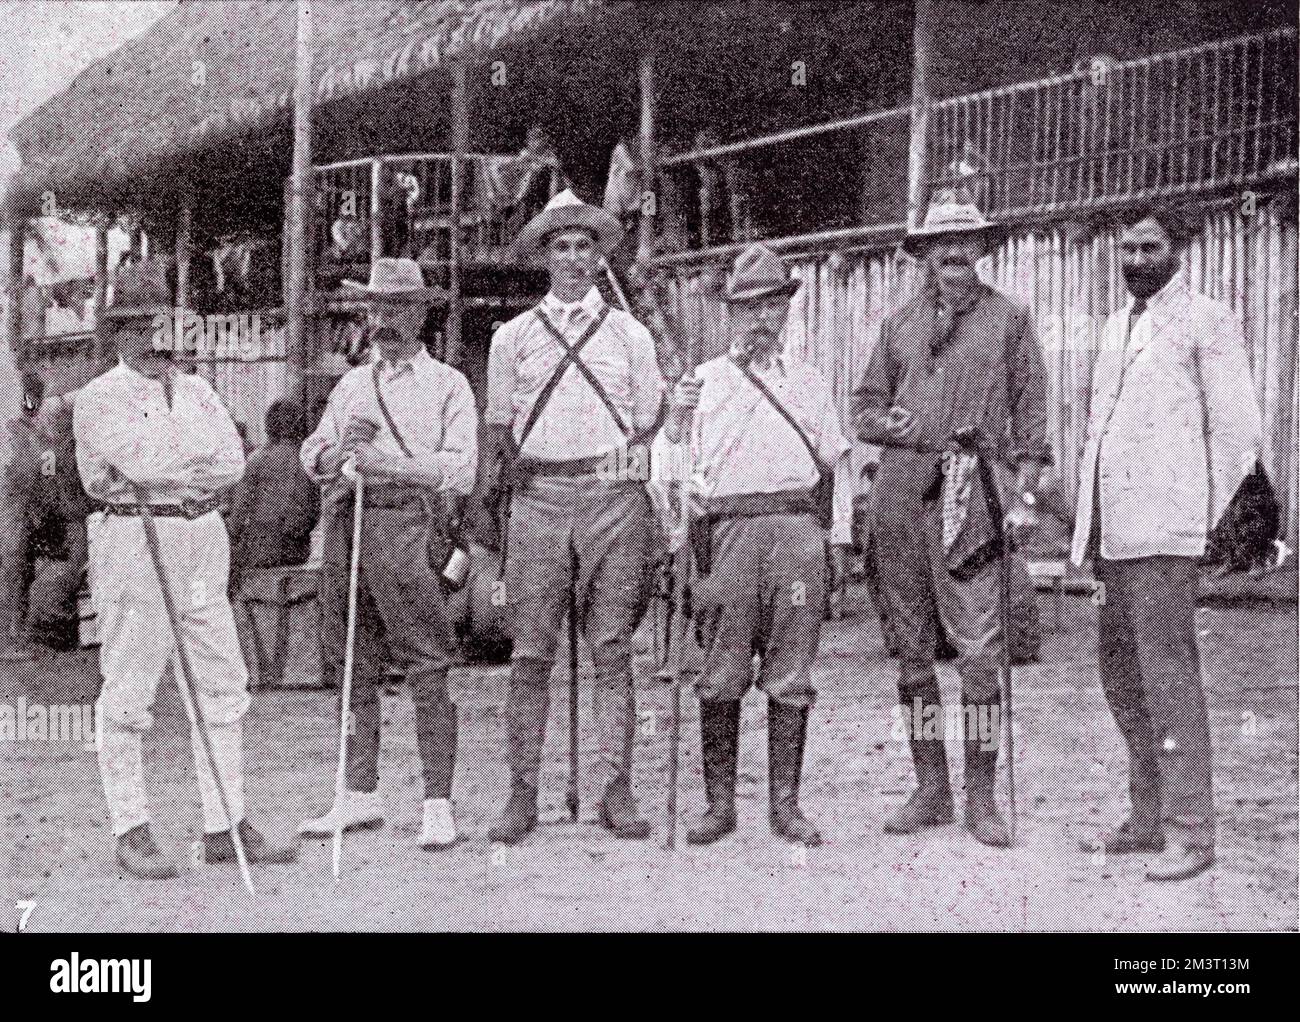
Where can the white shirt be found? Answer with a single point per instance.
(575, 423)
(432, 406)
(741, 444)
(126, 432)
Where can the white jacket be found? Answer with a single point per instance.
(1174, 426)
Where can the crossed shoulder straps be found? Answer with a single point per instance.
(572, 357)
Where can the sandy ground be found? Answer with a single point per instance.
(1071, 782)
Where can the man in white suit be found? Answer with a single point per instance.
(1175, 427)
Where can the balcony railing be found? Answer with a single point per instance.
(1218, 115)
(1198, 120)
(402, 206)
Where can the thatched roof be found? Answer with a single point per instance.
(213, 69)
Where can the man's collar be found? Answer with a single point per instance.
(591, 302)
(392, 370)
(968, 303)
(136, 375)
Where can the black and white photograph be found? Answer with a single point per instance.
(624, 467)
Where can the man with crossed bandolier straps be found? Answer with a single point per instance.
(570, 383)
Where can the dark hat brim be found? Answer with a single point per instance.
(919, 240)
(755, 294)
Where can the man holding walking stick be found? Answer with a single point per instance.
(408, 424)
(572, 385)
(958, 360)
(155, 445)
(770, 475)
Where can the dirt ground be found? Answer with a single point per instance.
(1071, 782)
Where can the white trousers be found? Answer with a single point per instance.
(137, 645)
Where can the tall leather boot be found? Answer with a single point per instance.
(720, 742)
(982, 816)
(787, 731)
(930, 805)
(526, 712)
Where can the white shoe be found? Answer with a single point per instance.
(439, 828)
(361, 809)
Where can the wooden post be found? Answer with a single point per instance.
(300, 186)
(16, 227)
(646, 233)
(459, 144)
(184, 230)
(922, 34)
(376, 229)
(101, 271)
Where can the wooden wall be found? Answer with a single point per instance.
(1070, 279)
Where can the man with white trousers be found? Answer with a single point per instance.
(147, 432)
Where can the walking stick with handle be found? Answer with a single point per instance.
(349, 653)
(188, 687)
(571, 797)
(976, 442)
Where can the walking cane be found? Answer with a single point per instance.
(571, 797)
(349, 651)
(993, 501)
(189, 690)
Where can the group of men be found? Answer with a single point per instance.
(957, 376)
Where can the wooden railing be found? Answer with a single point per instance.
(1218, 115)
(400, 205)
(1200, 120)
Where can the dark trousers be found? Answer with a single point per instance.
(1151, 674)
(401, 617)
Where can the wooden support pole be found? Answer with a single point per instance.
(101, 285)
(16, 233)
(922, 50)
(451, 353)
(184, 232)
(300, 188)
(376, 228)
(646, 232)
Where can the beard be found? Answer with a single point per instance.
(1145, 281)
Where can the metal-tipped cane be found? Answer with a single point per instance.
(975, 441)
(189, 690)
(349, 651)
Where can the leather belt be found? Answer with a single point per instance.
(189, 509)
(526, 467)
(755, 505)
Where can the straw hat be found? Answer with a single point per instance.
(951, 213)
(395, 280)
(567, 212)
(758, 273)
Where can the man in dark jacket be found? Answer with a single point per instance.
(958, 355)
(275, 505)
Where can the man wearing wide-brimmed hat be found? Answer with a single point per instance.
(765, 445)
(146, 431)
(958, 355)
(408, 424)
(572, 384)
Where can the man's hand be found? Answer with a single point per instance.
(329, 463)
(371, 462)
(900, 424)
(360, 430)
(685, 399)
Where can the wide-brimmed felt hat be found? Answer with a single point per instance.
(950, 214)
(140, 291)
(395, 280)
(567, 212)
(758, 273)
